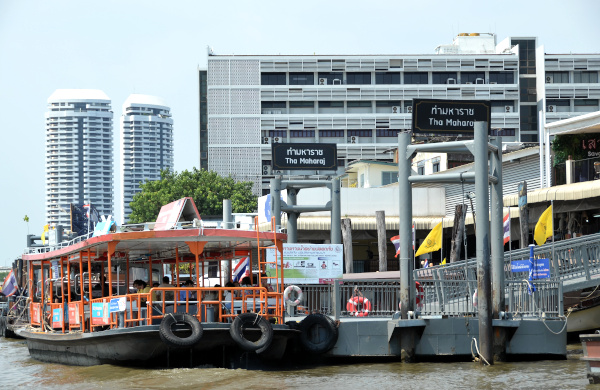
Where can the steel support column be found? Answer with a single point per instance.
(480, 154)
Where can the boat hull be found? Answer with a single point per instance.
(142, 346)
(591, 354)
(585, 319)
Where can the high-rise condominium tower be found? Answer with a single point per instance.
(146, 144)
(79, 155)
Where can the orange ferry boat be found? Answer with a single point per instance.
(84, 312)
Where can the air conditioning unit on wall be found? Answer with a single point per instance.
(409, 109)
(508, 108)
(551, 108)
(549, 79)
(322, 81)
(266, 170)
(396, 110)
(277, 140)
(353, 140)
(266, 140)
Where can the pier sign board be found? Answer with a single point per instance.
(308, 263)
(541, 268)
(456, 117)
(319, 157)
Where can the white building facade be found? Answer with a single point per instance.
(146, 144)
(79, 153)
(361, 102)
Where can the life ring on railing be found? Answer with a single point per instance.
(169, 338)
(286, 295)
(419, 298)
(352, 306)
(249, 321)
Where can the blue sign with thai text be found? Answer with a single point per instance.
(541, 268)
(117, 304)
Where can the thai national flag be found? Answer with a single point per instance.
(241, 270)
(9, 287)
(426, 264)
(396, 241)
(506, 224)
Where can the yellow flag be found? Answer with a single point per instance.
(544, 228)
(444, 261)
(44, 234)
(432, 242)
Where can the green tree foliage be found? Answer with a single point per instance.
(207, 188)
(568, 145)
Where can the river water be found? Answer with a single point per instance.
(17, 369)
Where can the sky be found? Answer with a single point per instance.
(156, 47)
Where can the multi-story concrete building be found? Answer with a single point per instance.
(79, 153)
(361, 102)
(146, 144)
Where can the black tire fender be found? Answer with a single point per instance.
(319, 333)
(171, 339)
(249, 321)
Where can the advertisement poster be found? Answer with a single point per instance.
(35, 313)
(100, 313)
(74, 313)
(309, 263)
(57, 318)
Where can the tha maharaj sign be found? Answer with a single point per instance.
(432, 116)
(304, 156)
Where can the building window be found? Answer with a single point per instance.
(472, 77)
(278, 133)
(360, 133)
(526, 55)
(527, 92)
(341, 162)
(493, 132)
(442, 77)
(436, 165)
(272, 107)
(358, 77)
(387, 132)
(415, 78)
(330, 78)
(421, 168)
(585, 77)
(331, 133)
(302, 133)
(387, 78)
(272, 78)
(389, 177)
(502, 78)
(302, 78)
(557, 77)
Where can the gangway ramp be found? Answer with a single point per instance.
(575, 262)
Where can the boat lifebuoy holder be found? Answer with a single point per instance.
(288, 291)
(358, 306)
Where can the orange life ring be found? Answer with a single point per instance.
(352, 306)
